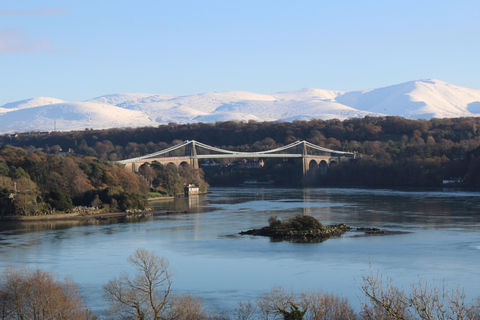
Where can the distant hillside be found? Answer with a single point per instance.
(422, 99)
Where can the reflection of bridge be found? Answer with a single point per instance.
(315, 159)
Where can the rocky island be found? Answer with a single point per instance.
(298, 229)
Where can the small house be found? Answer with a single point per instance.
(191, 189)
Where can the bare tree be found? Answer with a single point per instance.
(281, 303)
(187, 307)
(387, 301)
(146, 295)
(245, 310)
(36, 294)
(278, 298)
(325, 306)
(423, 302)
(474, 310)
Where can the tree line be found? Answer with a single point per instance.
(443, 136)
(398, 151)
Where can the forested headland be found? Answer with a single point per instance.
(398, 152)
(33, 183)
(39, 183)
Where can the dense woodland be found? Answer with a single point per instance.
(397, 151)
(35, 183)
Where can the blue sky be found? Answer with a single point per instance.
(80, 49)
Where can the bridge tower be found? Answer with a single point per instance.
(191, 152)
(302, 149)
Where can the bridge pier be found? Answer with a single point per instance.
(316, 166)
(131, 166)
(191, 151)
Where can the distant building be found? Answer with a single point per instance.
(256, 182)
(191, 189)
(452, 181)
(251, 164)
(64, 153)
(209, 163)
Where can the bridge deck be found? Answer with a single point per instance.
(238, 156)
(191, 152)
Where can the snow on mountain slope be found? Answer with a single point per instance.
(227, 116)
(31, 103)
(282, 109)
(155, 105)
(240, 106)
(421, 99)
(131, 99)
(68, 116)
(308, 94)
(178, 114)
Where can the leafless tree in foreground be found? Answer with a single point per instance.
(385, 301)
(317, 304)
(148, 294)
(326, 306)
(35, 294)
(187, 307)
(245, 310)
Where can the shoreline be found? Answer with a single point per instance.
(80, 216)
(85, 215)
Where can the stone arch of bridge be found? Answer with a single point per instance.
(323, 167)
(316, 166)
(171, 166)
(184, 165)
(182, 162)
(313, 168)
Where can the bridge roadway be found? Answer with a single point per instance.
(312, 164)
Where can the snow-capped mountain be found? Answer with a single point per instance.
(67, 116)
(422, 99)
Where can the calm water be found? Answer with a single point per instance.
(212, 261)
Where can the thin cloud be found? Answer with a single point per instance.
(35, 12)
(13, 41)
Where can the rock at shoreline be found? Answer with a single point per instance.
(298, 229)
(304, 236)
(305, 229)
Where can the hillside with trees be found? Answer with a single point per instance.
(170, 180)
(397, 151)
(35, 183)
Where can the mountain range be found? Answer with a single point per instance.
(420, 99)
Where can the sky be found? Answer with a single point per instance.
(76, 50)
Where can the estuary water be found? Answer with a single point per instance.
(200, 238)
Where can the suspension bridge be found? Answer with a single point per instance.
(315, 159)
